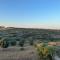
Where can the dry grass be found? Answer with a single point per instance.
(14, 53)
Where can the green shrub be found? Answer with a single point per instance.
(13, 43)
(31, 42)
(4, 44)
(21, 43)
(45, 52)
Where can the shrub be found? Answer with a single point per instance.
(13, 43)
(45, 52)
(4, 44)
(31, 42)
(21, 43)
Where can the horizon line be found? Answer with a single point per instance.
(28, 27)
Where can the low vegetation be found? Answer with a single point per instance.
(4, 43)
(45, 52)
(39, 38)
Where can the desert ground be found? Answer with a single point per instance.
(14, 53)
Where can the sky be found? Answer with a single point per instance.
(30, 13)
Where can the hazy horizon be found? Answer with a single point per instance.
(30, 13)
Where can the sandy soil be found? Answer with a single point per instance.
(14, 53)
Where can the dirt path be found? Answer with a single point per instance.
(15, 54)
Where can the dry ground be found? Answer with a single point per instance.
(14, 53)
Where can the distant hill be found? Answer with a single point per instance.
(30, 33)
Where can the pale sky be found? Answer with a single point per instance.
(30, 13)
